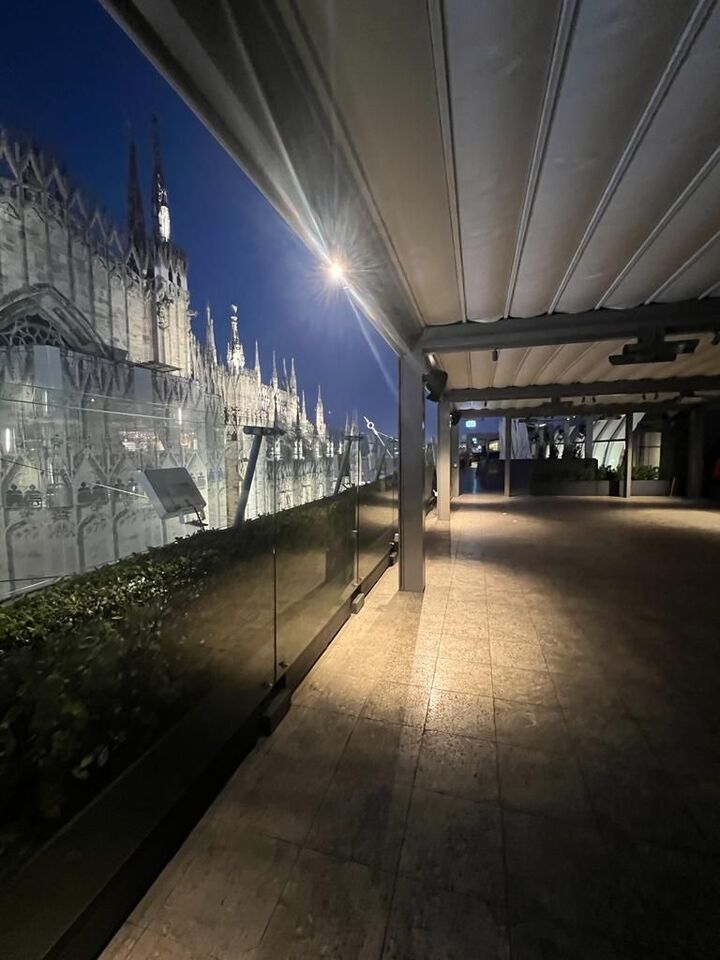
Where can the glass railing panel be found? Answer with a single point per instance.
(140, 621)
(377, 493)
(315, 542)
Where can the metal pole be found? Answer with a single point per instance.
(628, 453)
(443, 462)
(508, 455)
(247, 480)
(695, 455)
(455, 460)
(589, 424)
(412, 475)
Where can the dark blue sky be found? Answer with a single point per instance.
(73, 81)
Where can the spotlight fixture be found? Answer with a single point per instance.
(435, 381)
(653, 349)
(495, 356)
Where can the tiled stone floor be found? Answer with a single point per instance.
(522, 763)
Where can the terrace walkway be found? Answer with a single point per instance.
(523, 763)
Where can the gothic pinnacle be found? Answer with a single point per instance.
(210, 346)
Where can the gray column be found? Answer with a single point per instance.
(455, 461)
(412, 476)
(443, 462)
(628, 454)
(589, 425)
(695, 454)
(508, 454)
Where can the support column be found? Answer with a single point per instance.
(695, 463)
(589, 425)
(454, 460)
(412, 476)
(443, 462)
(508, 455)
(628, 454)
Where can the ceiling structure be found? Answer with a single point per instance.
(514, 187)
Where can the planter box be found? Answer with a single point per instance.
(572, 488)
(650, 488)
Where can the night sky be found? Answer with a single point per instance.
(73, 81)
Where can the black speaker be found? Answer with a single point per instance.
(435, 381)
(455, 417)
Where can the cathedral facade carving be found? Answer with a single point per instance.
(102, 375)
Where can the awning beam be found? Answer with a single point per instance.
(601, 388)
(690, 316)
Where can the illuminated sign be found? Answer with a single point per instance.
(470, 424)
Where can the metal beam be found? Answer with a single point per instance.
(558, 409)
(555, 329)
(601, 388)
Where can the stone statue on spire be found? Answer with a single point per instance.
(210, 346)
(160, 208)
(235, 352)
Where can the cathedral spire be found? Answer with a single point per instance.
(274, 380)
(258, 374)
(160, 208)
(135, 213)
(303, 408)
(285, 374)
(293, 377)
(235, 352)
(320, 414)
(210, 347)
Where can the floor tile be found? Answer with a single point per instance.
(363, 814)
(225, 899)
(643, 803)
(552, 941)
(455, 844)
(329, 908)
(465, 714)
(557, 873)
(397, 703)
(410, 668)
(521, 654)
(532, 726)
(463, 676)
(524, 686)
(547, 784)
(433, 924)
(462, 766)
(333, 690)
(122, 943)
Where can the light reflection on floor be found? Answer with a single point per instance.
(523, 762)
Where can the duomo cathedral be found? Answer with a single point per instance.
(102, 376)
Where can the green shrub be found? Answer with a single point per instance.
(643, 472)
(95, 668)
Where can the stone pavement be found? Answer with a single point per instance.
(522, 763)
